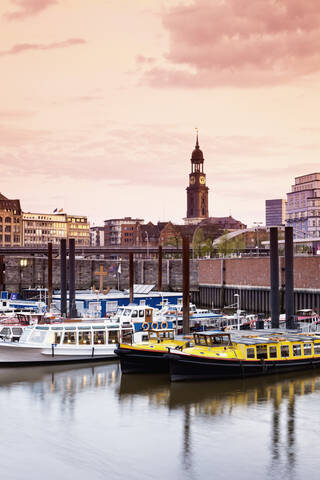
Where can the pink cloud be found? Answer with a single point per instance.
(28, 8)
(23, 47)
(239, 43)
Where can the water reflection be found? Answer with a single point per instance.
(223, 398)
(101, 414)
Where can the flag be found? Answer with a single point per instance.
(55, 210)
(60, 210)
(119, 269)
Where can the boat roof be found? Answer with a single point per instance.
(262, 337)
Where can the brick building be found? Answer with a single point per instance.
(10, 222)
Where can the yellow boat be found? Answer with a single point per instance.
(217, 355)
(150, 355)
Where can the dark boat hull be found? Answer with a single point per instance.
(187, 367)
(142, 361)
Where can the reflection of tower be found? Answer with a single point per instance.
(187, 440)
(197, 191)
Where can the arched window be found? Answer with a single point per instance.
(8, 219)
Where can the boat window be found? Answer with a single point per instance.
(144, 338)
(296, 350)
(119, 311)
(99, 337)
(127, 312)
(85, 338)
(5, 331)
(316, 348)
(69, 338)
(134, 313)
(250, 353)
(307, 349)
(38, 336)
(17, 331)
(262, 351)
(141, 313)
(273, 352)
(57, 337)
(113, 336)
(284, 351)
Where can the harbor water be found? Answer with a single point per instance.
(91, 423)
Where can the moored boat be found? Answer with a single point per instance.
(65, 343)
(217, 355)
(150, 354)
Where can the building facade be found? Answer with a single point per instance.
(10, 222)
(97, 236)
(121, 231)
(197, 191)
(79, 229)
(275, 212)
(41, 228)
(303, 206)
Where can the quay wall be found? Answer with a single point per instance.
(35, 274)
(221, 279)
(213, 282)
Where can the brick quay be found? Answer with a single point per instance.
(213, 282)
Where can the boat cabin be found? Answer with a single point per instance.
(93, 334)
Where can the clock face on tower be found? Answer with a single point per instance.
(202, 180)
(192, 180)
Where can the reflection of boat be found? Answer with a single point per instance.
(219, 396)
(65, 343)
(217, 355)
(149, 356)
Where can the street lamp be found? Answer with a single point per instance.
(238, 309)
(257, 230)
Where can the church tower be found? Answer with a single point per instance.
(197, 191)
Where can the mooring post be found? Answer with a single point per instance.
(274, 278)
(289, 295)
(186, 283)
(49, 275)
(131, 276)
(72, 279)
(63, 276)
(160, 269)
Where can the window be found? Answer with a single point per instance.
(69, 338)
(272, 352)
(134, 314)
(113, 336)
(99, 337)
(7, 238)
(85, 338)
(284, 351)
(141, 313)
(8, 220)
(250, 353)
(296, 350)
(316, 348)
(57, 337)
(307, 349)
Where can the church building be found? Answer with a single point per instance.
(197, 191)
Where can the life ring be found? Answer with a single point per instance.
(154, 325)
(145, 326)
(164, 325)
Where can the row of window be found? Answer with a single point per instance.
(297, 350)
(9, 220)
(7, 238)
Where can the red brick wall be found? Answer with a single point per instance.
(256, 272)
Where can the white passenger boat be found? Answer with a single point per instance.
(66, 343)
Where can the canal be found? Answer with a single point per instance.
(90, 423)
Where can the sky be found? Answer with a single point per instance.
(100, 99)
